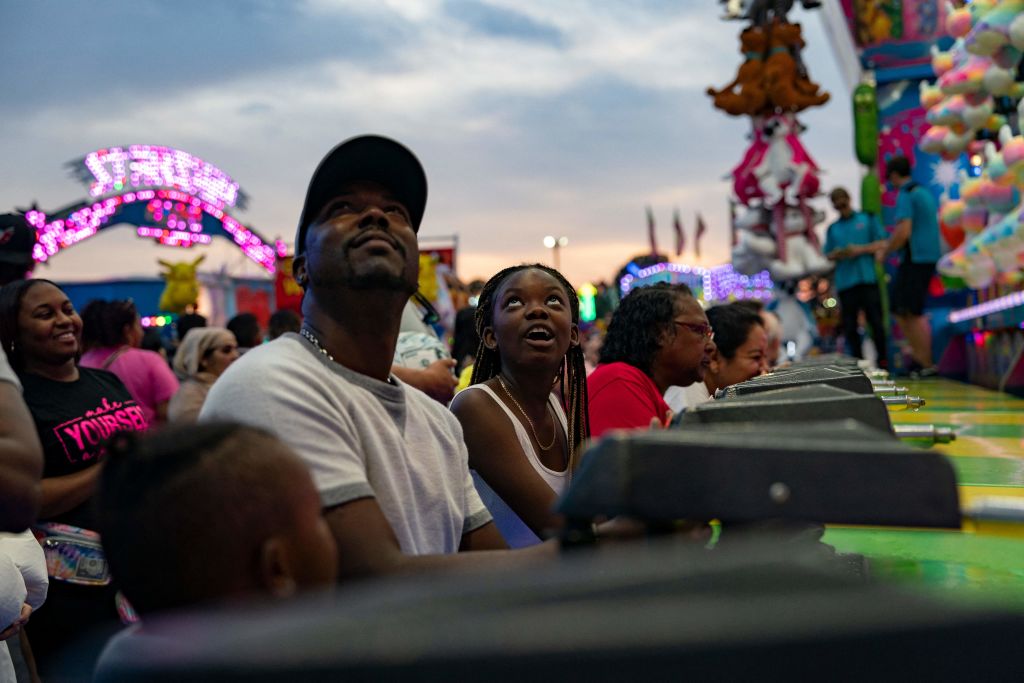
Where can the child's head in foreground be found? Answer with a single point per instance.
(200, 514)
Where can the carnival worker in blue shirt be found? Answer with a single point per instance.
(917, 234)
(851, 242)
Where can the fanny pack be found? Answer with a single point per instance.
(73, 554)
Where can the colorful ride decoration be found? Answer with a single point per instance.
(968, 106)
(168, 194)
(865, 144)
(777, 176)
(182, 290)
(720, 284)
(895, 34)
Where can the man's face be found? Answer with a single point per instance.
(841, 202)
(363, 239)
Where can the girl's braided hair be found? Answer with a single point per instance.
(572, 374)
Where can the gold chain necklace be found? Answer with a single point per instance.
(554, 435)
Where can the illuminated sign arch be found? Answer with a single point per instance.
(168, 194)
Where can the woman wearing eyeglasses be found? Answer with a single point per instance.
(205, 353)
(740, 354)
(657, 338)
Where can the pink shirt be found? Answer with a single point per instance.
(146, 374)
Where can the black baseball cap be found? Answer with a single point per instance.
(17, 238)
(366, 157)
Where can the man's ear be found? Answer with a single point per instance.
(299, 270)
(574, 336)
(276, 575)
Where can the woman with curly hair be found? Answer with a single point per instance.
(524, 440)
(658, 337)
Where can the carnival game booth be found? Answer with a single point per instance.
(940, 83)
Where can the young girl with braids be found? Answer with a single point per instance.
(524, 442)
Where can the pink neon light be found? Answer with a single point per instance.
(116, 169)
(84, 223)
(987, 308)
(173, 238)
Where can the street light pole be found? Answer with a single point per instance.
(555, 244)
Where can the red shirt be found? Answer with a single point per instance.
(623, 397)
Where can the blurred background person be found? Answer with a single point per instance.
(851, 242)
(465, 339)
(111, 336)
(283, 321)
(246, 329)
(204, 354)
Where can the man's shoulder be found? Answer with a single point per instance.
(286, 353)
(433, 410)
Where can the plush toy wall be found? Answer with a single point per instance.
(970, 109)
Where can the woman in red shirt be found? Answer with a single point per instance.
(658, 337)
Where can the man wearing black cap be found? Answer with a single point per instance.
(389, 463)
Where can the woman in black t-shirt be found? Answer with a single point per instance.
(76, 410)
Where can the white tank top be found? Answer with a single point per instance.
(517, 534)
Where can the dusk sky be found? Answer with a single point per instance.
(531, 117)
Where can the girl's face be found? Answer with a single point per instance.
(49, 328)
(531, 319)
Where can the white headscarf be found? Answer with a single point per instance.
(197, 342)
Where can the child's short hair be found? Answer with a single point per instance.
(183, 512)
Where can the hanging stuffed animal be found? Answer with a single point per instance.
(782, 74)
(776, 164)
(754, 245)
(799, 253)
(746, 95)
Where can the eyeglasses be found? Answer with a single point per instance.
(702, 329)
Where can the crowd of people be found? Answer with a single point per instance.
(258, 469)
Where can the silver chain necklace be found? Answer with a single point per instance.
(311, 338)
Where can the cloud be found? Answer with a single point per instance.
(531, 117)
(498, 22)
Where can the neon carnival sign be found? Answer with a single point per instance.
(141, 166)
(169, 195)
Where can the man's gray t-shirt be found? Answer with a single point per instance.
(360, 437)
